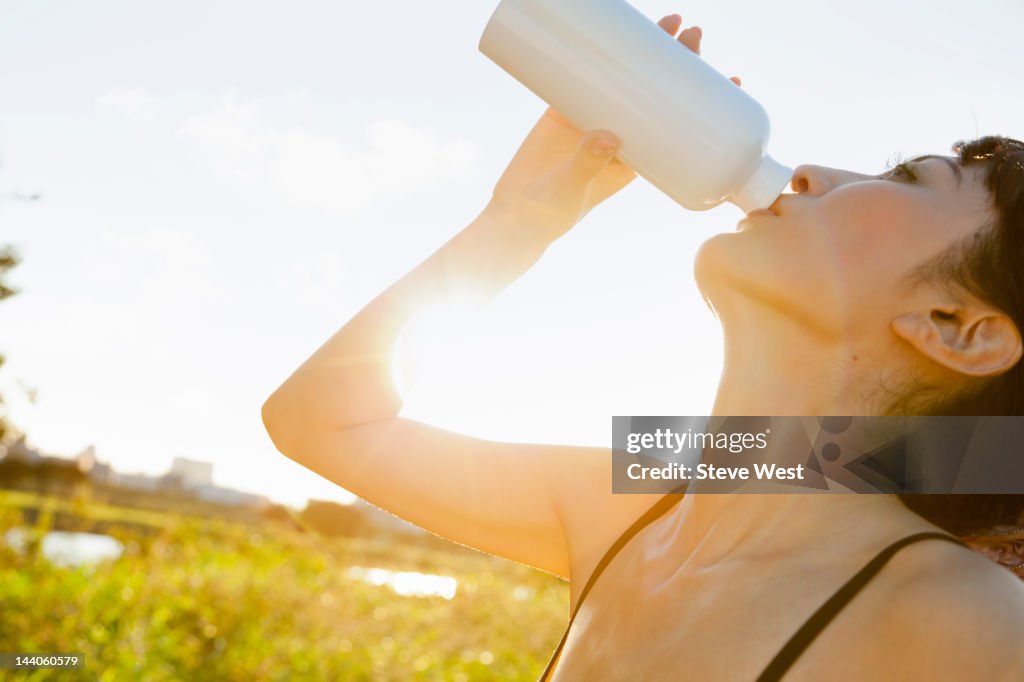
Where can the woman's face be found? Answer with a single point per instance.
(837, 252)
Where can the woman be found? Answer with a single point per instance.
(855, 295)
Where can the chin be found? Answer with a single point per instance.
(734, 272)
(728, 258)
(714, 269)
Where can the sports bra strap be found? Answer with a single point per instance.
(824, 615)
(650, 516)
(803, 637)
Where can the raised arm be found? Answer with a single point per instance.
(547, 506)
(337, 413)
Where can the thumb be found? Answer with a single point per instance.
(593, 154)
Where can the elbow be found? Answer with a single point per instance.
(301, 412)
(279, 419)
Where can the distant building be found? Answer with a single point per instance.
(86, 458)
(89, 463)
(101, 472)
(186, 476)
(191, 473)
(21, 450)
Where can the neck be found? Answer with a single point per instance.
(774, 367)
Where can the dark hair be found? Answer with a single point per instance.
(990, 265)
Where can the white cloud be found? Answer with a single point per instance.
(256, 143)
(134, 103)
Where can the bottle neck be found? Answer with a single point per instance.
(764, 186)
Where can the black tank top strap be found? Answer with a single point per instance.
(824, 615)
(660, 508)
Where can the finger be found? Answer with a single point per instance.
(691, 38)
(736, 80)
(671, 24)
(593, 154)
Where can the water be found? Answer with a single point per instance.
(69, 549)
(407, 583)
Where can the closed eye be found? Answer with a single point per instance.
(909, 171)
(901, 171)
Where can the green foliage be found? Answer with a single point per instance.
(8, 261)
(217, 601)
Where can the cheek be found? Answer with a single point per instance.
(845, 251)
(874, 238)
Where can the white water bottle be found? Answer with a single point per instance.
(682, 125)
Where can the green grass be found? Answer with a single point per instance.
(201, 600)
(86, 511)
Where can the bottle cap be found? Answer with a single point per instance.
(764, 186)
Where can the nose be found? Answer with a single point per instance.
(818, 180)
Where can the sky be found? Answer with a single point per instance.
(224, 184)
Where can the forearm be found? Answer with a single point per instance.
(347, 381)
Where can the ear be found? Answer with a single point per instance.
(969, 338)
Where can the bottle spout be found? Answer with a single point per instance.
(764, 186)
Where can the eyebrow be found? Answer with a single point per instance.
(953, 165)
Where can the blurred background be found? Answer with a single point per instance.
(194, 196)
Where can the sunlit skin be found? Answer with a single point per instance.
(819, 317)
(822, 281)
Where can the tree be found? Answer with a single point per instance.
(8, 261)
(333, 519)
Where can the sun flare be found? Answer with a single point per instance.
(436, 347)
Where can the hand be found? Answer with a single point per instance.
(559, 174)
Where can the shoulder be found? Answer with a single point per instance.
(962, 612)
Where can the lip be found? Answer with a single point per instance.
(757, 213)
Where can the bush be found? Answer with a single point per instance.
(216, 601)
